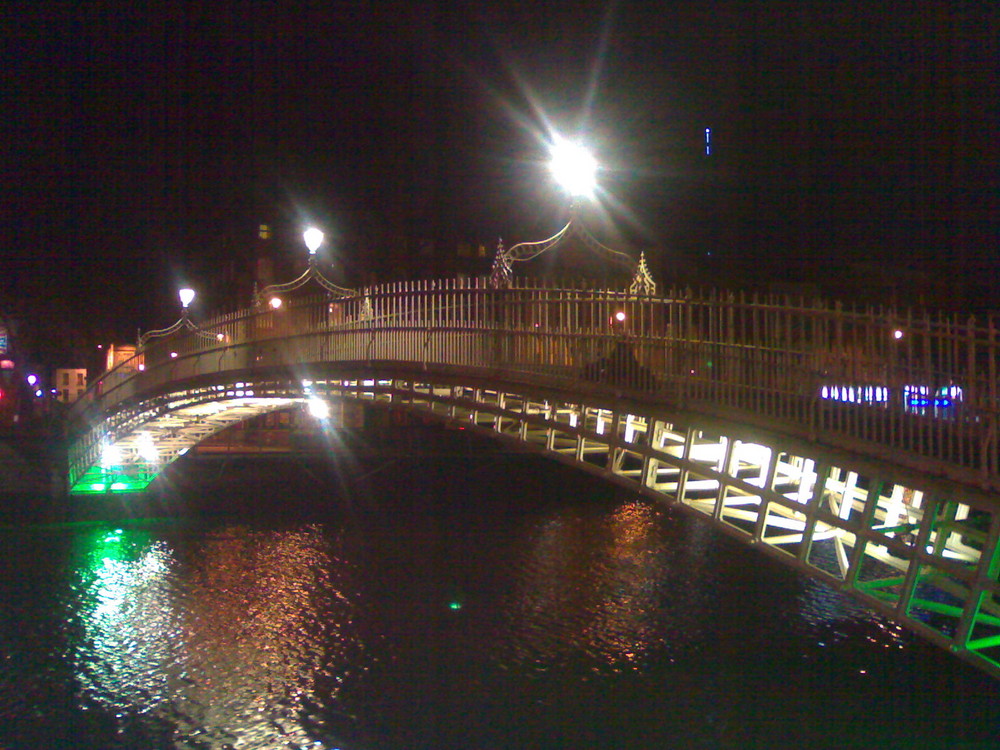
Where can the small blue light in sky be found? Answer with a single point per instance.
(708, 141)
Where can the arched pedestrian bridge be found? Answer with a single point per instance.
(859, 447)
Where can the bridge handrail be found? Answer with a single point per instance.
(806, 361)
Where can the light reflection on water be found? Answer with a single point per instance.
(588, 590)
(223, 638)
(427, 616)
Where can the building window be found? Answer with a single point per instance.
(264, 231)
(79, 379)
(65, 378)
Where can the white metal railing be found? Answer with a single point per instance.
(875, 374)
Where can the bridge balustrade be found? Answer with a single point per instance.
(870, 375)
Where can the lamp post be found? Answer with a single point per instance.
(575, 170)
(187, 297)
(313, 239)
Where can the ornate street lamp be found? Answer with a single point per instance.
(270, 295)
(313, 239)
(186, 296)
(575, 170)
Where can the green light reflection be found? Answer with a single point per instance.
(224, 638)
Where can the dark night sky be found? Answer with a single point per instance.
(142, 140)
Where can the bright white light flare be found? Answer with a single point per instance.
(147, 448)
(186, 295)
(313, 238)
(319, 408)
(574, 168)
(111, 455)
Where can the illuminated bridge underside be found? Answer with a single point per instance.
(925, 557)
(159, 435)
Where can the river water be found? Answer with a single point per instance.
(497, 602)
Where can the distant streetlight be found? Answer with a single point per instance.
(313, 239)
(275, 303)
(574, 168)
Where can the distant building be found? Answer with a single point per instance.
(118, 353)
(71, 383)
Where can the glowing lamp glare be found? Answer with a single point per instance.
(313, 239)
(318, 408)
(573, 167)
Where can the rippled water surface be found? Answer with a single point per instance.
(504, 603)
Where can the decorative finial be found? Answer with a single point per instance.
(642, 281)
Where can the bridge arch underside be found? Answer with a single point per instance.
(920, 550)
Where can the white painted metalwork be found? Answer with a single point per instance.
(502, 273)
(767, 360)
(312, 273)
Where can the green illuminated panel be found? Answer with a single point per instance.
(100, 480)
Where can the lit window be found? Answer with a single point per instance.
(264, 231)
